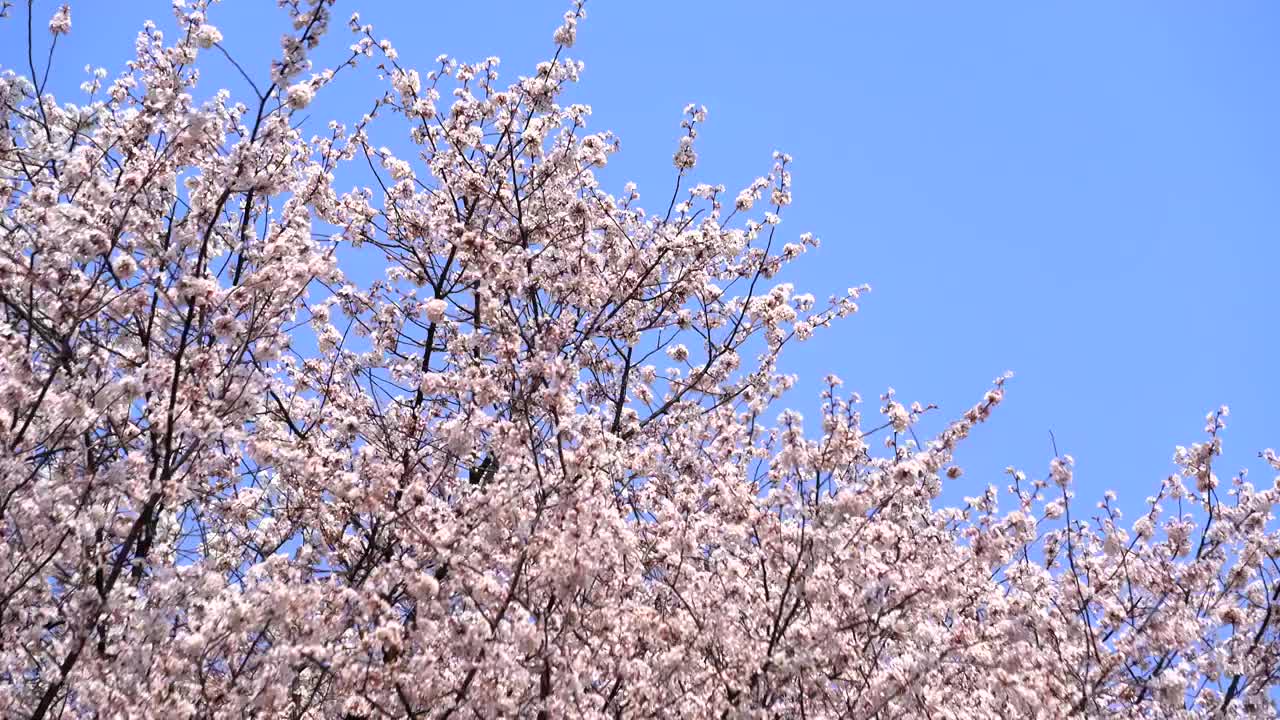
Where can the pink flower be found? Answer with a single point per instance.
(435, 308)
(60, 23)
(300, 95)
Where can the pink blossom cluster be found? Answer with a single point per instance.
(536, 469)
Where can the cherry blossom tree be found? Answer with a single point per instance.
(537, 468)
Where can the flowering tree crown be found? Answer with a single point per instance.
(536, 469)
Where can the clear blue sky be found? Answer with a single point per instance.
(1086, 193)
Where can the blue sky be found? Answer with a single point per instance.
(1085, 193)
